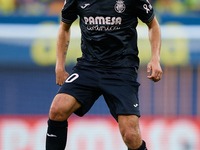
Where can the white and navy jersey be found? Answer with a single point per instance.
(108, 29)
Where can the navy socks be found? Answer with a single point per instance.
(56, 136)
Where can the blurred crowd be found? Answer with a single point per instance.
(30, 7)
(53, 7)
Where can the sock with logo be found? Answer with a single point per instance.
(142, 147)
(56, 137)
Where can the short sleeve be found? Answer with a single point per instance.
(144, 11)
(69, 11)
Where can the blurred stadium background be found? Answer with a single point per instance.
(170, 108)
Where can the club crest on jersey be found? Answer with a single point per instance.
(120, 6)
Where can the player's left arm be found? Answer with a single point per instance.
(153, 68)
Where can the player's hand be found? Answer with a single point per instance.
(61, 76)
(154, 70)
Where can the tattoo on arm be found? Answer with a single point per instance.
(66, 46)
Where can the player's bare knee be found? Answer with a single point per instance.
(56, 111)
(56, 114)
(62, 107)
(132, 140)
(130, 137)
(130, 131)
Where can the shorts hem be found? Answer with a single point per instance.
(78, 112)
(129, 113)
(70, 95)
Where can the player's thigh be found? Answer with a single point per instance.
(63, 106)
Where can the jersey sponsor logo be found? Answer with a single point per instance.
(100, 20)
(120, 6)
(135, 105)
(102, 28)
(100, 23)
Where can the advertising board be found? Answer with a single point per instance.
(100, 133)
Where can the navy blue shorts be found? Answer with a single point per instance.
(119, 88)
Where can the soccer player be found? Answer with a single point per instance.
(108, 66)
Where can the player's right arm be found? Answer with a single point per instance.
(61, 52)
